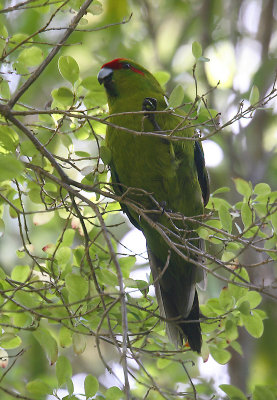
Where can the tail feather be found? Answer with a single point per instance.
(192, 330)
(178, 327)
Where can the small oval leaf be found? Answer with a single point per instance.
(176, 97)
(91, 386)
(196, 50)
(68, 68)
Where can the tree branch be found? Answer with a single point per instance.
(50, 56)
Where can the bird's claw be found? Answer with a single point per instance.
(150, 104)
(164, 209)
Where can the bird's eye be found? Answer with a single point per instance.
(126, 66)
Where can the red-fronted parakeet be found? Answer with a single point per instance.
(163, 175)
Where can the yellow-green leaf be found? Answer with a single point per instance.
(63, 370)
(196, 50)
(254, 95)
(68, 68)
(91, 386)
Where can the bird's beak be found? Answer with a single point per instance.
(104, 74)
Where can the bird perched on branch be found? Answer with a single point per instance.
(164, 178)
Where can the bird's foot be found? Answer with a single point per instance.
(164, 209)
(150, 104)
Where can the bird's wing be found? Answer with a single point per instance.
(202, 173)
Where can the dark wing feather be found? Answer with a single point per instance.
(202, 173)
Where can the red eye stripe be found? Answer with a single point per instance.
(117, 64)
(136, 70)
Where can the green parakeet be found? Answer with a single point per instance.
(162, 177)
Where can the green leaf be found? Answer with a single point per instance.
(196, 50)
(226, 300)
(95, 98)
(246, 215)
(68, 237)
(227, 256)
(38, 387)
(8, 139)
(79, 343)
(114, 393)
(48, 343)
(63, 95)
(126, 263)
(261, 313)
(253, 324)
(225, 218)
(91, 83)
(2, 274)
(203, 233)
(3, 31)
(105, 154)
(262, 188)
(68, 68)
(221, 356)
(96, 8)
(63, 255)
(252, 297)
(231, 330)
(237, 347)
(238, 291)
(63, 370)
(233, 392)
(216, 202)
(20, 68)
(70, 386)
(30, 56)
(10, 167)
(82, 154)
(223, 189)
(91, 386)
(10, 342)
(243, 187)
(244, 308)
(4, 88)
(163, 363)
(20, 273)
(215, 305)
(162, 77)
(82, 133)
(176, 97)
(18, 38)
(76, 285)
(22, 319)
(107, 277)
(254, 95)
(65, 337)
(27, 299)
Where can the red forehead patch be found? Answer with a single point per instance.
(116, 64)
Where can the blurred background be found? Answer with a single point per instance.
(240, 39)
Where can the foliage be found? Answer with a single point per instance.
(68, 303)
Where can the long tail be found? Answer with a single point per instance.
(192, 330)
(178, 327)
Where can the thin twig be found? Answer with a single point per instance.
(51, 55)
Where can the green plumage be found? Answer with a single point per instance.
(172, 173)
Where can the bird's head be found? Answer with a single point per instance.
(123, 77)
